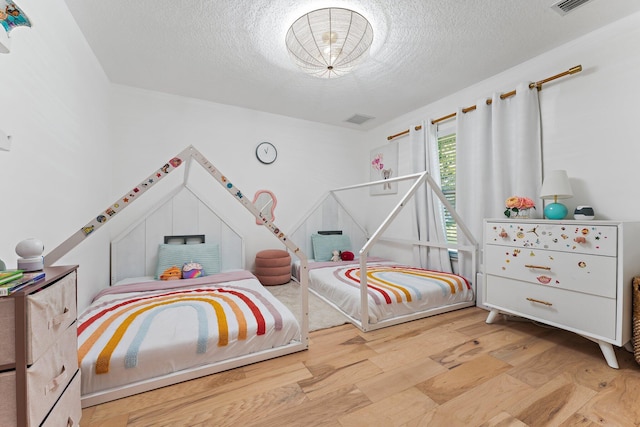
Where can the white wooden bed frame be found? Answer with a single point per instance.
(182, 212)
(331, 214)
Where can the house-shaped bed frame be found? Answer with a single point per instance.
(331, 214)
(186, 157)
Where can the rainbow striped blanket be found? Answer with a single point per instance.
(392, 289)
(389, 284)
(129, 335)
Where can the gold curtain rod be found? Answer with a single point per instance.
(537, 85)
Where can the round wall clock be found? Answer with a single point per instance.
(266, 152)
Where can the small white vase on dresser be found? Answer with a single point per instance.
(575, 275)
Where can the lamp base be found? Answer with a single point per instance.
(555, 211)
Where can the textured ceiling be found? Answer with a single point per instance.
(232, 51)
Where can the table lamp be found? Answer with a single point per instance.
(556, 186)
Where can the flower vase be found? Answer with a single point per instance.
(521, 214)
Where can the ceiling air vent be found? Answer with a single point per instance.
(565, 6)
(359, 119)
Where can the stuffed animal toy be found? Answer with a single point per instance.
(336, 256)
(171, 273)
(191, 270)
(347, 256)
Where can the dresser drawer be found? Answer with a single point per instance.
(591, 274)
(576, 311)
(566, 237)
(49, 375)
(68, 411)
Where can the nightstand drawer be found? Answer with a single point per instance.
(49, 313)
(49, 375)
(46, 381)
(8, 402)
(578, 312)
(67, 411)
(590, 274)
(593, 239)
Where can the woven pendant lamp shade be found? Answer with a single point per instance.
(329, 43)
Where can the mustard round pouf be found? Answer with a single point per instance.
(273, 267)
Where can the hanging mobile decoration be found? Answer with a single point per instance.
(11, 16)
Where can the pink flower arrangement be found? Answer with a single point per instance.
(516, 203)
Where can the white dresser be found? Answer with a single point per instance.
(575, 275)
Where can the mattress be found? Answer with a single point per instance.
(393, 289)
(143, 330)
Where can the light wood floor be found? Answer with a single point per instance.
(448, 370)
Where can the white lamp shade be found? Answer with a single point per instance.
(556, 185)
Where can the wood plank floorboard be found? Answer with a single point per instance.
(452, 369)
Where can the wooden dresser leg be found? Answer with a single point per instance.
(493, 315)
(609, 354)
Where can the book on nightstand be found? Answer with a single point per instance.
(25, 279)
(9, 275)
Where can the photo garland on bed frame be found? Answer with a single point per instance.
(136, 192)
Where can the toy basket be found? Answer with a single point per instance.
(635, 340)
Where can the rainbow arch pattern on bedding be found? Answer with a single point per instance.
(391, 284)
(220, 315)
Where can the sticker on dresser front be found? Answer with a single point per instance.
(592, 239)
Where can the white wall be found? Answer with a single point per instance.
(589, 119)
(55, 107)
(149, 128)
(79, 143)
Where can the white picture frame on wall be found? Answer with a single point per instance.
(383, 164)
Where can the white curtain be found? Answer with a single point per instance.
(429, 219)
(498, 155)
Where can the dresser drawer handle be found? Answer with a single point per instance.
(54, 383)
(57, 320)
(71, 423)
(539, 267)
(540, 302)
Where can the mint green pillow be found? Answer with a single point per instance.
(205, 254)
(324, 245)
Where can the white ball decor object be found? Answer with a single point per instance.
(30, 248)
(583, 212)
(30, 252)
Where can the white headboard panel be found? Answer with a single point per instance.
(134, 252)
(328, 214)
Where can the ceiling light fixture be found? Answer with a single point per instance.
(329, 43)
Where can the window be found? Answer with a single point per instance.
(447, 155)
